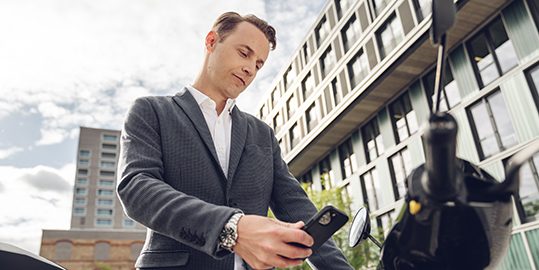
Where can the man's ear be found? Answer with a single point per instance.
(211, 40)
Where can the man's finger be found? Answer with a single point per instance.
(296, 236)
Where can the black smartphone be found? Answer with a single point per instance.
(324, 224)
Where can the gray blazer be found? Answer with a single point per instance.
(172, 183)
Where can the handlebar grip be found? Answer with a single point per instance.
(441, 178)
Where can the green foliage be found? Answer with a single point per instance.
(102, 266)
(366, 254)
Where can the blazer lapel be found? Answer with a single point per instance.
(189, 105)
(237, 142)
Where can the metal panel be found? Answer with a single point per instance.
(516, 256)
(363, 19)
(419, 103)
(465, 143)
(384, 176)
(521, 106)
(359, 148)
(463, 72)
(371, 53)
(386, 129)
(406, 17)
(533, 242)
(521, 30)
(417, 156)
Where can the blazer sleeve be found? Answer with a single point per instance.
(290, 203)
(149, 200)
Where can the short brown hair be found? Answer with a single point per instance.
(226, 23)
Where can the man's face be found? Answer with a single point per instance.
(234, 61)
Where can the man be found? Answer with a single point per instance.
(201, 174)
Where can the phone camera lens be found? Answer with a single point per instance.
(325, 219)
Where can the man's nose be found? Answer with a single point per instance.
(248, 69)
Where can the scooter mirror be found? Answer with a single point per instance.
(361, 227)
(443, 17)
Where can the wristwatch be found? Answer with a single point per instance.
(229, 234)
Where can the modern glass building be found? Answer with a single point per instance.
(349, 107)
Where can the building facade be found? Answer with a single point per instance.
(101, 234)
(348, 109)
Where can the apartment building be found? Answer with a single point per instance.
(348, 108)
(101, 235)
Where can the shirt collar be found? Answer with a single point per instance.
(202, 98)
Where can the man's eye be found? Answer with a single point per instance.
(243, 54)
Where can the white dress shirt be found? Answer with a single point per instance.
(220, 127)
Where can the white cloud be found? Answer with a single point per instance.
(29, 204)
(5, 153)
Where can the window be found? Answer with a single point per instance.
(336, 90)
(342, 6)
(104, 212)
(372, 140)
(105, 182)
(289, 76)
(102, 251)
(403, 117)
(491, 124)
(104, 202)
(327, 61)
(378, 6)
(327, 176)
(350, 33)
(108, 164)
(82, 181)
(385, 221)
(275, 96)
(81, 191)
(492, 52)
(80, 201)
(282, 146)
(291, 105)
(389, 36)
(400, 166)
(82, 172)
(533, 80)
(348, 158)
(105, 222)
(84, 153)
(312, 117)
(307, 86)
(108, 155)
(423, 8)
(62, 250)
(263, 111)
(109, 146)
(450, 92)
(105, 192)
(128, 223)
(370, 185)
(84, 162)
(321, 31)
(358, 68)
(277, 122)
(110, 138)
(295, 135)
(306, 178)
(135, 250)
(305, 51)
(106, 173)
(528, 201)
(79, 211)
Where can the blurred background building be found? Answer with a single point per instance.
(101, 235)
(348, 109)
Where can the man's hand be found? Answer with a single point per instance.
(264, 242)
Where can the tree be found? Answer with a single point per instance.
(364, 256)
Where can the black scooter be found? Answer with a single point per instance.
(455, 215)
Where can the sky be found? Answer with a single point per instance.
(71, 63)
